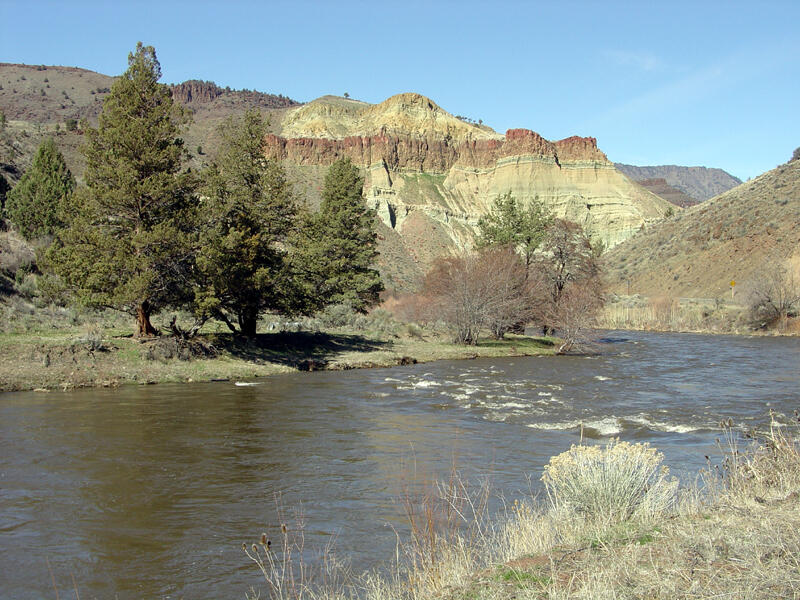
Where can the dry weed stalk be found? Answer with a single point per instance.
(286, 571)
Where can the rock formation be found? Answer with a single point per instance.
(431, 176)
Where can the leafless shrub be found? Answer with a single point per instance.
(489, 288)
(572, 287)
(285, 567)
(574, 315)
(773, 296)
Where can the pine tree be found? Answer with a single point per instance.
(339, 252)
(248, 210)
(509, 224)
(126, 247)
(34, 205)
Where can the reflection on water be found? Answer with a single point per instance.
(149, 491)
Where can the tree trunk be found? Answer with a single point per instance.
(247, 324)
(144, 328)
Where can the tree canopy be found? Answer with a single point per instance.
(248, 210)
(127, 244)
(508, 223)
(337, 253)
(35, 205)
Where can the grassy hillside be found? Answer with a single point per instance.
(698, 251)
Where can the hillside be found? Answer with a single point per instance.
(734, 236)
(700, 183)
(37, 99)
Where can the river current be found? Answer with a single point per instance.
(149, 491)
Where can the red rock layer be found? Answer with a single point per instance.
(420, 154)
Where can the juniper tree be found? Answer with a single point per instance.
(247, 212)
(35, 204)
(126, 247)
(508, 223)
(336, 257)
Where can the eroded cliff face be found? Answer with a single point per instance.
(431, 176)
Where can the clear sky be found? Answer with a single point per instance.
(715, 84)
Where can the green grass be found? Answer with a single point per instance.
(62, 359)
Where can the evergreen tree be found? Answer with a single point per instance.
(247, 211)
(126, 245)
(35, 203)
(509, 224)
(338, 254)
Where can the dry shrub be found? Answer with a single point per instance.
(663, 310)
(769, 468)
(773, 296)
(610, 484)
(485, 289)
(286, 568)
(574, 315)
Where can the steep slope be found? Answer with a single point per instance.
(700, 183)
(431, 176)
(734, 236)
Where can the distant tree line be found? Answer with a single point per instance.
(231, 242)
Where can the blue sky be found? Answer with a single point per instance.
(698, 83)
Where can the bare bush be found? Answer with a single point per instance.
(773, 296)
(489, 288)
(574, 315)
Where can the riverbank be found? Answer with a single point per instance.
(688, 315)
(76, 357)
(741, 540)
(613, 525)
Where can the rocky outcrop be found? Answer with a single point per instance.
(431, 176)
(195, 92)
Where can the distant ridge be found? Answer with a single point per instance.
(701, 183)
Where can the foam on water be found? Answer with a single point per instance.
(558, 426)
(605, 427)
(663, 426)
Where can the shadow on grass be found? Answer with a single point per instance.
(302, 350)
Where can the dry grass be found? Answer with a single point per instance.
(739, 539)
(664, 313)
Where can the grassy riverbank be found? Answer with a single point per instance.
(89, 357)
(613, 525)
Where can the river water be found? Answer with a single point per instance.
(149, 492)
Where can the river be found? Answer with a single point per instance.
(149, 491)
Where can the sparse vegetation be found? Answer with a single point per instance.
(617, 530)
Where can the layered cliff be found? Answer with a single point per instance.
(431, 176)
